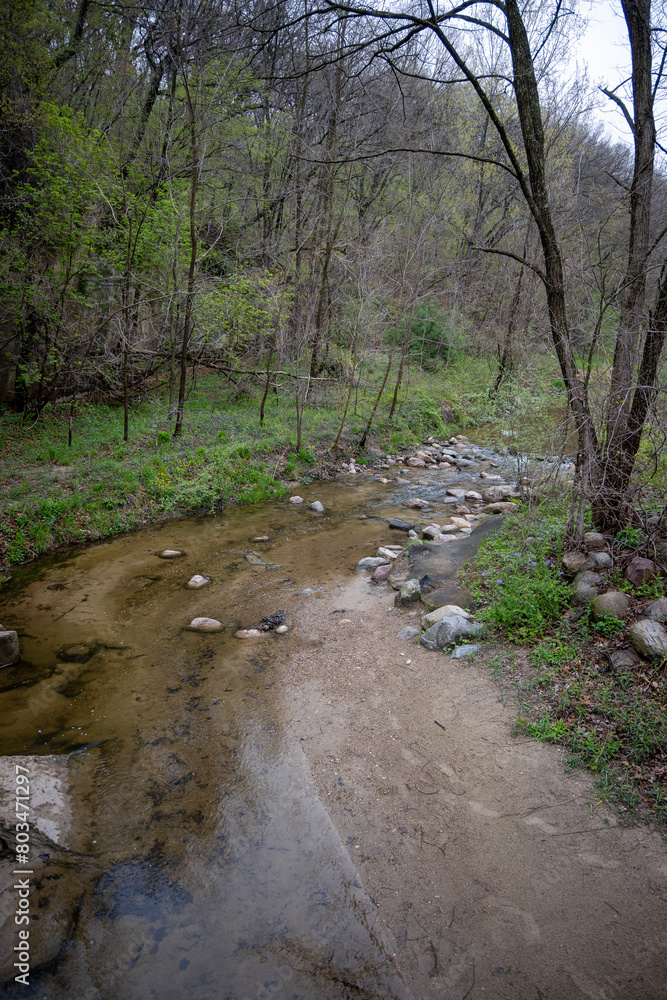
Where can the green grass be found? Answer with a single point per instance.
(608, 721)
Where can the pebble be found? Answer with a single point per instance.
(296, 499)
(170, 554)
(317, 506)
(205, 625)
(249, 633)
(282, 629)
(198, 580)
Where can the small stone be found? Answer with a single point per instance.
(415, 503)
(76, 652)
(413, 534)
(649, 639)
(416, 463)
(455, 492)
(248, 633)
(407, 633)
(640, 571)
(261, 538)
(296, 499)
(205, 625)
(612, 604)
(381, 573)
(657, 611)
(282, 629)
(460, 651)
(399, 525)
(460, 522)
(594, 541)
(170, 554)
(409, 593)
(198, 580)
(371, 562)
(9, 648)
(317, 506)
(473, 495)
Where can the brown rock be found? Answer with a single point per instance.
(501, 507)
(415, 503)
(640, 570)
(416, 463)
(494, 493)
(381, 573)
(594, 541)
(573, 562)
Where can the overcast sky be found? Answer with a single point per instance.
(604, 49)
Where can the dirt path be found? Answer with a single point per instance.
(496, 874)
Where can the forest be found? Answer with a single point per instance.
(295, 203)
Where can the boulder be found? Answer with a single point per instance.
(9, 648)
(492, 494)
(371, 562)
(205, 625)
(449, 630)
(584, 587)
(499, 507)
(446, 611)
(640, 571)
(460, 522)
(594, 541)
(409, 593)
(431, 530)
(381, 573)
(573, 562)
(198, 580)
(657, 611)
(317, 506)
(455, 492)
(649, 639)
(601, 560)
(407, 633)
(399, 525)
(613, 603)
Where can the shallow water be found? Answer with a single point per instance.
(197, 859)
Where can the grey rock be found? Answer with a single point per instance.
(407, 633)
(460, 651)
(317, 506)
(492, 494)
(657, 611)
(456, 492)
(649, 639)
(624, 659)
(399, 525)
(296, 499)
(573, 562)
(499, 507)
(640, 571)
(9, 648)
(384, 552)
(171, 554)
(409, 593)
(205, 625)
(602, 560)
(584, 587)
(431, 530)
(371, 562)
(594, 541)
(198, 580)
(413, 534)
(449, 630)
(76, 652)
(613, 603)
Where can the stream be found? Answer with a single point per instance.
(178, 845)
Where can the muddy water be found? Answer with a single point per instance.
(196, 858)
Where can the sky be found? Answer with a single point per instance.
(604, 49)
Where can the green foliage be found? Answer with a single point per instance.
(609, 626)
(631, 538)
(433, 333)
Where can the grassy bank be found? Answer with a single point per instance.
(610, 721)
(54, 494)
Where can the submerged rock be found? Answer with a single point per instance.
(248, 633)
(296, 499)
(76, 652)
(205, 625)
(399, 525)
(317, 506)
